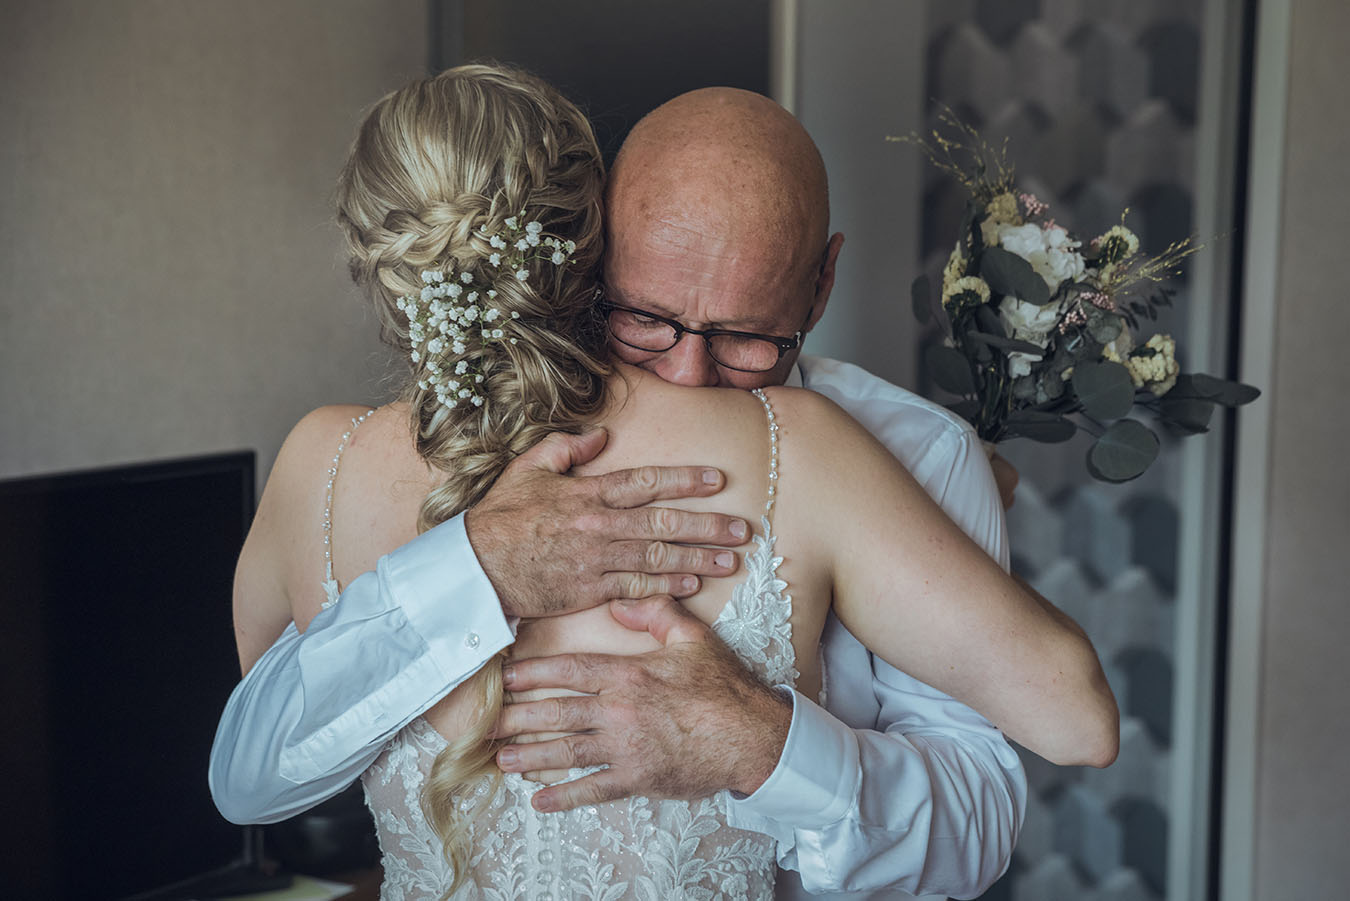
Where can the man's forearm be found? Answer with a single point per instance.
(934, 811)
(315, 710)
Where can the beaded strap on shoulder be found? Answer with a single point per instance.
(330, 585)
(773, 450)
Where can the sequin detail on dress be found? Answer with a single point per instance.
(331, 590)
(635, 848)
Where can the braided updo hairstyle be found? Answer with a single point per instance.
(436, 168)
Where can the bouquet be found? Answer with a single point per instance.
(1042, 331)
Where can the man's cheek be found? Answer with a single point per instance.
(632, 355)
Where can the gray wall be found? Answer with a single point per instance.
(1302, 767)
(859, 78)
(170, 280)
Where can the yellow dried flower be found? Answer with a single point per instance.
(1157, 371)
(962, 289)
(1002, 210)
(953, 271)
(1119, 243)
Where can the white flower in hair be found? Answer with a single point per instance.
(443, 308)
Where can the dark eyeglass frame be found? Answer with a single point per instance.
(783, 344)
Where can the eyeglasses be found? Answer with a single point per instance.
(741, 351)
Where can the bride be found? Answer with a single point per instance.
(472, 207)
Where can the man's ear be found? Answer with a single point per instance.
(825, 281)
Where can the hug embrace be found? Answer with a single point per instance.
(623, 596)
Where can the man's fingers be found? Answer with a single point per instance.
(597, 788)
(644, 484)
(559, 451)
(580, 672)
(667, 620)
(681, 526)
(568, 714)
(555, 754)
(642, 585)
(664, 557)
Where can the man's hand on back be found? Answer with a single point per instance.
(551, 543)
(684, 721)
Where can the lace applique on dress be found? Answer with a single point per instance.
(634, 848)
(330, 586)
(755, 622)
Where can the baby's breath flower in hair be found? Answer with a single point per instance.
(449, 329)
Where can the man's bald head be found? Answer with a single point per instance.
(729, 155)
(717, 211)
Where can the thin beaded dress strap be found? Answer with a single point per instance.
(773, 451)
(330, 585)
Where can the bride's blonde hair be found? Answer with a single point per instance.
(436, 168)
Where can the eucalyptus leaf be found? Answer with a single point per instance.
(1189, 414)
(1104, 327)
(1002, 343)
(1048, 428)
(1230, 394)
(1049, 386)
(1008, 274)
(920, 297)
(950, 370)
(1191, 386)
(1104, 388)
(988, 321)
(1123, 452)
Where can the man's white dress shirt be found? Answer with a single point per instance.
(892, 790)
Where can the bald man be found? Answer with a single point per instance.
(718, 225)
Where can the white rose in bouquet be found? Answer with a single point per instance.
(1027, 322)
(1050, 251)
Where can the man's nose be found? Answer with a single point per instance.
(688, 363)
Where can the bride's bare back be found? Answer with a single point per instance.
(857, 534)
(382, 482)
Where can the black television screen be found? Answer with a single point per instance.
(117, 656)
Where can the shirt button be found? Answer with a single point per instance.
(471, 640)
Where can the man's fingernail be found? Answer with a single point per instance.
(738, 529)
(724, 559)
(543, 803)
(689, 583)
(711, 476)
(508, 675)
(508, 757)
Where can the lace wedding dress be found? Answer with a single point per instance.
(635, 848)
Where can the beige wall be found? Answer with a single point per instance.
(1302, 817)
(170, 281)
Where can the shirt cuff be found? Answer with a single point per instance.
(817, 778)
(447, 598)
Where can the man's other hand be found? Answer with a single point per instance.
(551, 543)
(682, 722)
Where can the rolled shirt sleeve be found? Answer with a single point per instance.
(317, 707)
